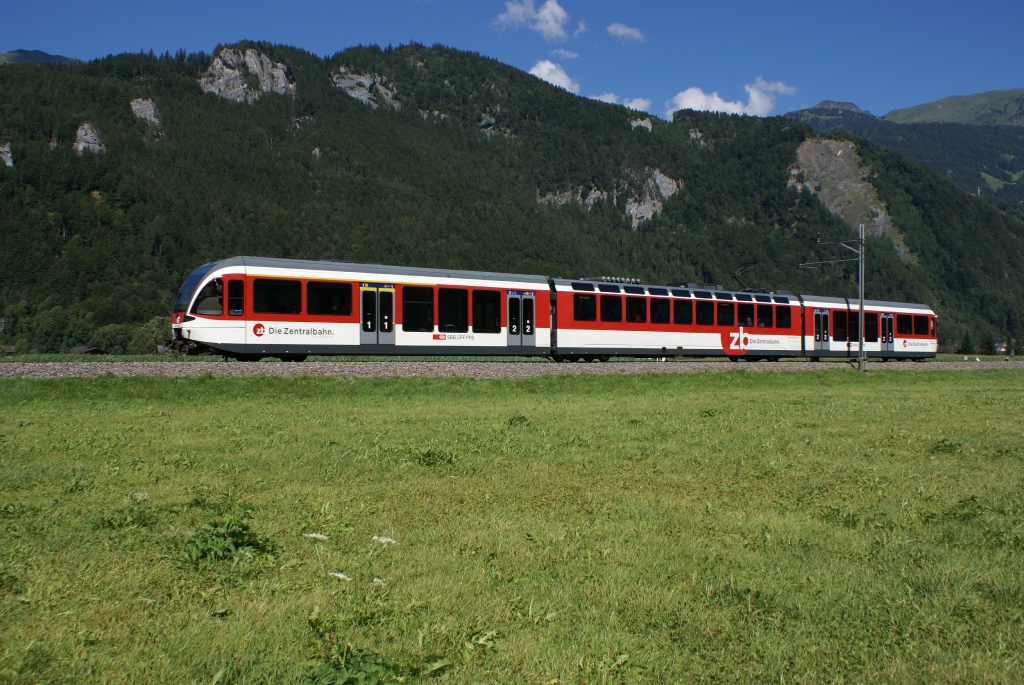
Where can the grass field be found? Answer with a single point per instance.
(814, 527)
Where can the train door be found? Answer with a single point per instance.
(821, 337)
(376, 314)
(885, 335)
(521, 319)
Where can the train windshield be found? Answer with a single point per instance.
(188, 288)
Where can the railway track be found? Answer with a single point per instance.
(440, 369)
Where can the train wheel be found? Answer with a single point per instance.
(248, 357)
(292, 357)
(603, 358)
(815, 359)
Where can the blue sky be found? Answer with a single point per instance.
(756, 57)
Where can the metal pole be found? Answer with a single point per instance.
(862, 359)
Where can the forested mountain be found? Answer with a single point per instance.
(128, 172)
(33, 57)
(987, 161)
(992, 108)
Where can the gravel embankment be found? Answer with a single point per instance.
(436, 369)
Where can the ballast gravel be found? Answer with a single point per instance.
(440, 369)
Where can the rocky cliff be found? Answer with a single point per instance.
(87, 139)
(245, 76)
(834, 170)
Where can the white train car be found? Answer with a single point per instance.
(252, 307)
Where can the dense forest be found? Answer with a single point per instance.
(94, 245)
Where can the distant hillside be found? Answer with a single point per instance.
(994, 108)
(982, 160)
(33, 57)
(127, 172)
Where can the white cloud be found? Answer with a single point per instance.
(610, 98)
(549, 20)
(625, 33)
(760, 99)
(639, 104)
(546, 70)
(565, 54)
(580, 28)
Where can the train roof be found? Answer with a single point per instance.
(717, 290)
(341, 266)
(384, 269)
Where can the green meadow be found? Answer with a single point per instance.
(801, 527)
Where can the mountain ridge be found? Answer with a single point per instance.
(991, 108)
(21, 56)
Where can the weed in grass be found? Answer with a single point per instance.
(135, 515)
(433, 454)
(10, 583)
(223, 539)
(947, 446)
(77, 481)
(518, 420)
(343, 664)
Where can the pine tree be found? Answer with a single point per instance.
(967, 344)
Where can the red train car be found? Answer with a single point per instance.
(254, 307)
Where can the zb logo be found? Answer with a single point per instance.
(258, 330)
(738, 341)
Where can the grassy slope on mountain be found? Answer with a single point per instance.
(93, 244)
(33, 57)
(994, 107)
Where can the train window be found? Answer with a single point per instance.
(486, 311)
(920, 325)
(781, 300)
(417, 309)
(725, 314)
(660, 292)
(764, 316)
(870, 327)
(608, 288)
(210, 300)
(661, 311)
(611, 308)
(743, 297)
(584, 308)
(904, 324)
(762, 298)
(683, 314)
(723, 296)
(783, 317)
(839, 326)
(634, 289)
(705, 313)
(932, 322)
(452, 310)
(745, 313)
(636, 309)
(854, 327)
(588, 287)
(276, 296)
(680, 293)
(236, 298)
(328, 299)
(702, 293)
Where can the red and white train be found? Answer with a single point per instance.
(254, 307)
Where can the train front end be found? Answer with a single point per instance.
(198, 322)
